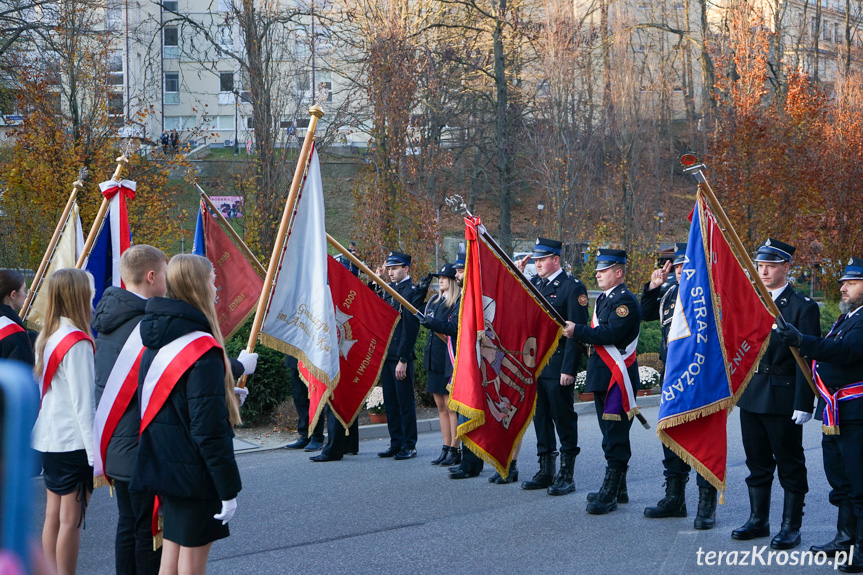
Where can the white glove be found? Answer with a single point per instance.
(249, 361)
(800, 417)
(241, 393)
(228, 509)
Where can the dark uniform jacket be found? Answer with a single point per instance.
(619, 322)
(443, 320)
(187, 450)
(568, 296)
(840, 361)
(778, 386)
(17, 346)
(659, 304)
(405, 335)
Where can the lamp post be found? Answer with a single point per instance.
(236, 121)
(539, 207)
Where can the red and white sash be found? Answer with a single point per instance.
(830, 423)
(617, 363)
(8, 327)
(169, 365)
(120, 388)
(60, 342)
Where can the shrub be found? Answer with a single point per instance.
(423, 398)
(829, 313)
(650, 337)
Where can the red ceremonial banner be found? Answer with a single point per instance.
(501, 352)
(238, 285)
(365, 324)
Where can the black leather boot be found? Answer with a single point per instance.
(758, 524)
(706, 517)
(452, 458)
(622, 493)
(792, 518)
(846, 528)
(443, 454)
(511, 477)
(855, 562)
(545, 476)
(674, 502)
(606, 500)
(563, 482)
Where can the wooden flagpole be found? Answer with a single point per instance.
(100, 216)
(239, 241)
(284, 227)
(743, 258)
(36, 284)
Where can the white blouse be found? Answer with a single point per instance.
(65, 421)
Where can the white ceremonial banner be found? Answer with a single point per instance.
(300, 318)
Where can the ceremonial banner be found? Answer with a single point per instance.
(66, 253)
(238, 285)
(300, 319)
(711, 354)
(501, 352)
(115, 237)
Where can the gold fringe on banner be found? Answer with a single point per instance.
(830, 429)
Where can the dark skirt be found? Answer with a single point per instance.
(67, 472)
(190, 523)
(437, 383)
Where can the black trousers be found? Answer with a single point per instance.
(615, 436)
(400, 405)
(774, 442)
(337, 442)
(301, 402)
(133, 546)
(674, 466)
(843, 465)
(554, 410)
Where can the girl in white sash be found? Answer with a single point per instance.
(185, 454)
(64, 428)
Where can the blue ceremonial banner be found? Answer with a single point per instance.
(199, 247)
(100, 263)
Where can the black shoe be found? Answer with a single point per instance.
(674, 502)
(352, 452)
(563, 482)
(298, 444)
(405, 454)
(606, 499)
(846, 527)
(706, 516)
(452, 458)
(495, 478)
(622, 493)
(390, 452)
(443, 454)
(545, 476)
(758, 524)
(314, 445)
(461, 474)
(321, 457)
(792, 518)
(855, 562)
(511, 477)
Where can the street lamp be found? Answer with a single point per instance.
(236, 122)
(539, 207)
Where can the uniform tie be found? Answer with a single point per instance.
(600, 299)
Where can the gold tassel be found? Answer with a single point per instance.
(157, 538)
(610, 417)
(722, 497)
(100, 481)
(830, 429)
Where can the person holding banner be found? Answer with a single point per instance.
(612, 373)
(15, 342)
(186, 454)
(397, 377)
(657, 304)
(774, 406)
(64, 429)
(301, 403)
(441, 317)
(838, 372)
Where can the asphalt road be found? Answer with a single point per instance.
(370, 515)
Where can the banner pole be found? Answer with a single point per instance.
(743, 258)
(249, 255)
(100, 216)
(36, 284)
(316, 113)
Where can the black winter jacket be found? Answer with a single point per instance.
(18, 346)
(118, 313)
(443, 320)
(187, 450)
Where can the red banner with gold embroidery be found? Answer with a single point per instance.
(505, 339)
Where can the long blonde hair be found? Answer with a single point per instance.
(70, 295)
(188, 280)
(450, 294)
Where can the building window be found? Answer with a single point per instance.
(115, 68)
(225, 35)
(825, 32)
(171, 41)
(225, 122)
(52, 71)
(250, 123)
(172, 87)
(226, 81)
(115, 108)
(836, 37)
(113, 15)
(179, 122)
(225, 5)
(170, 5)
